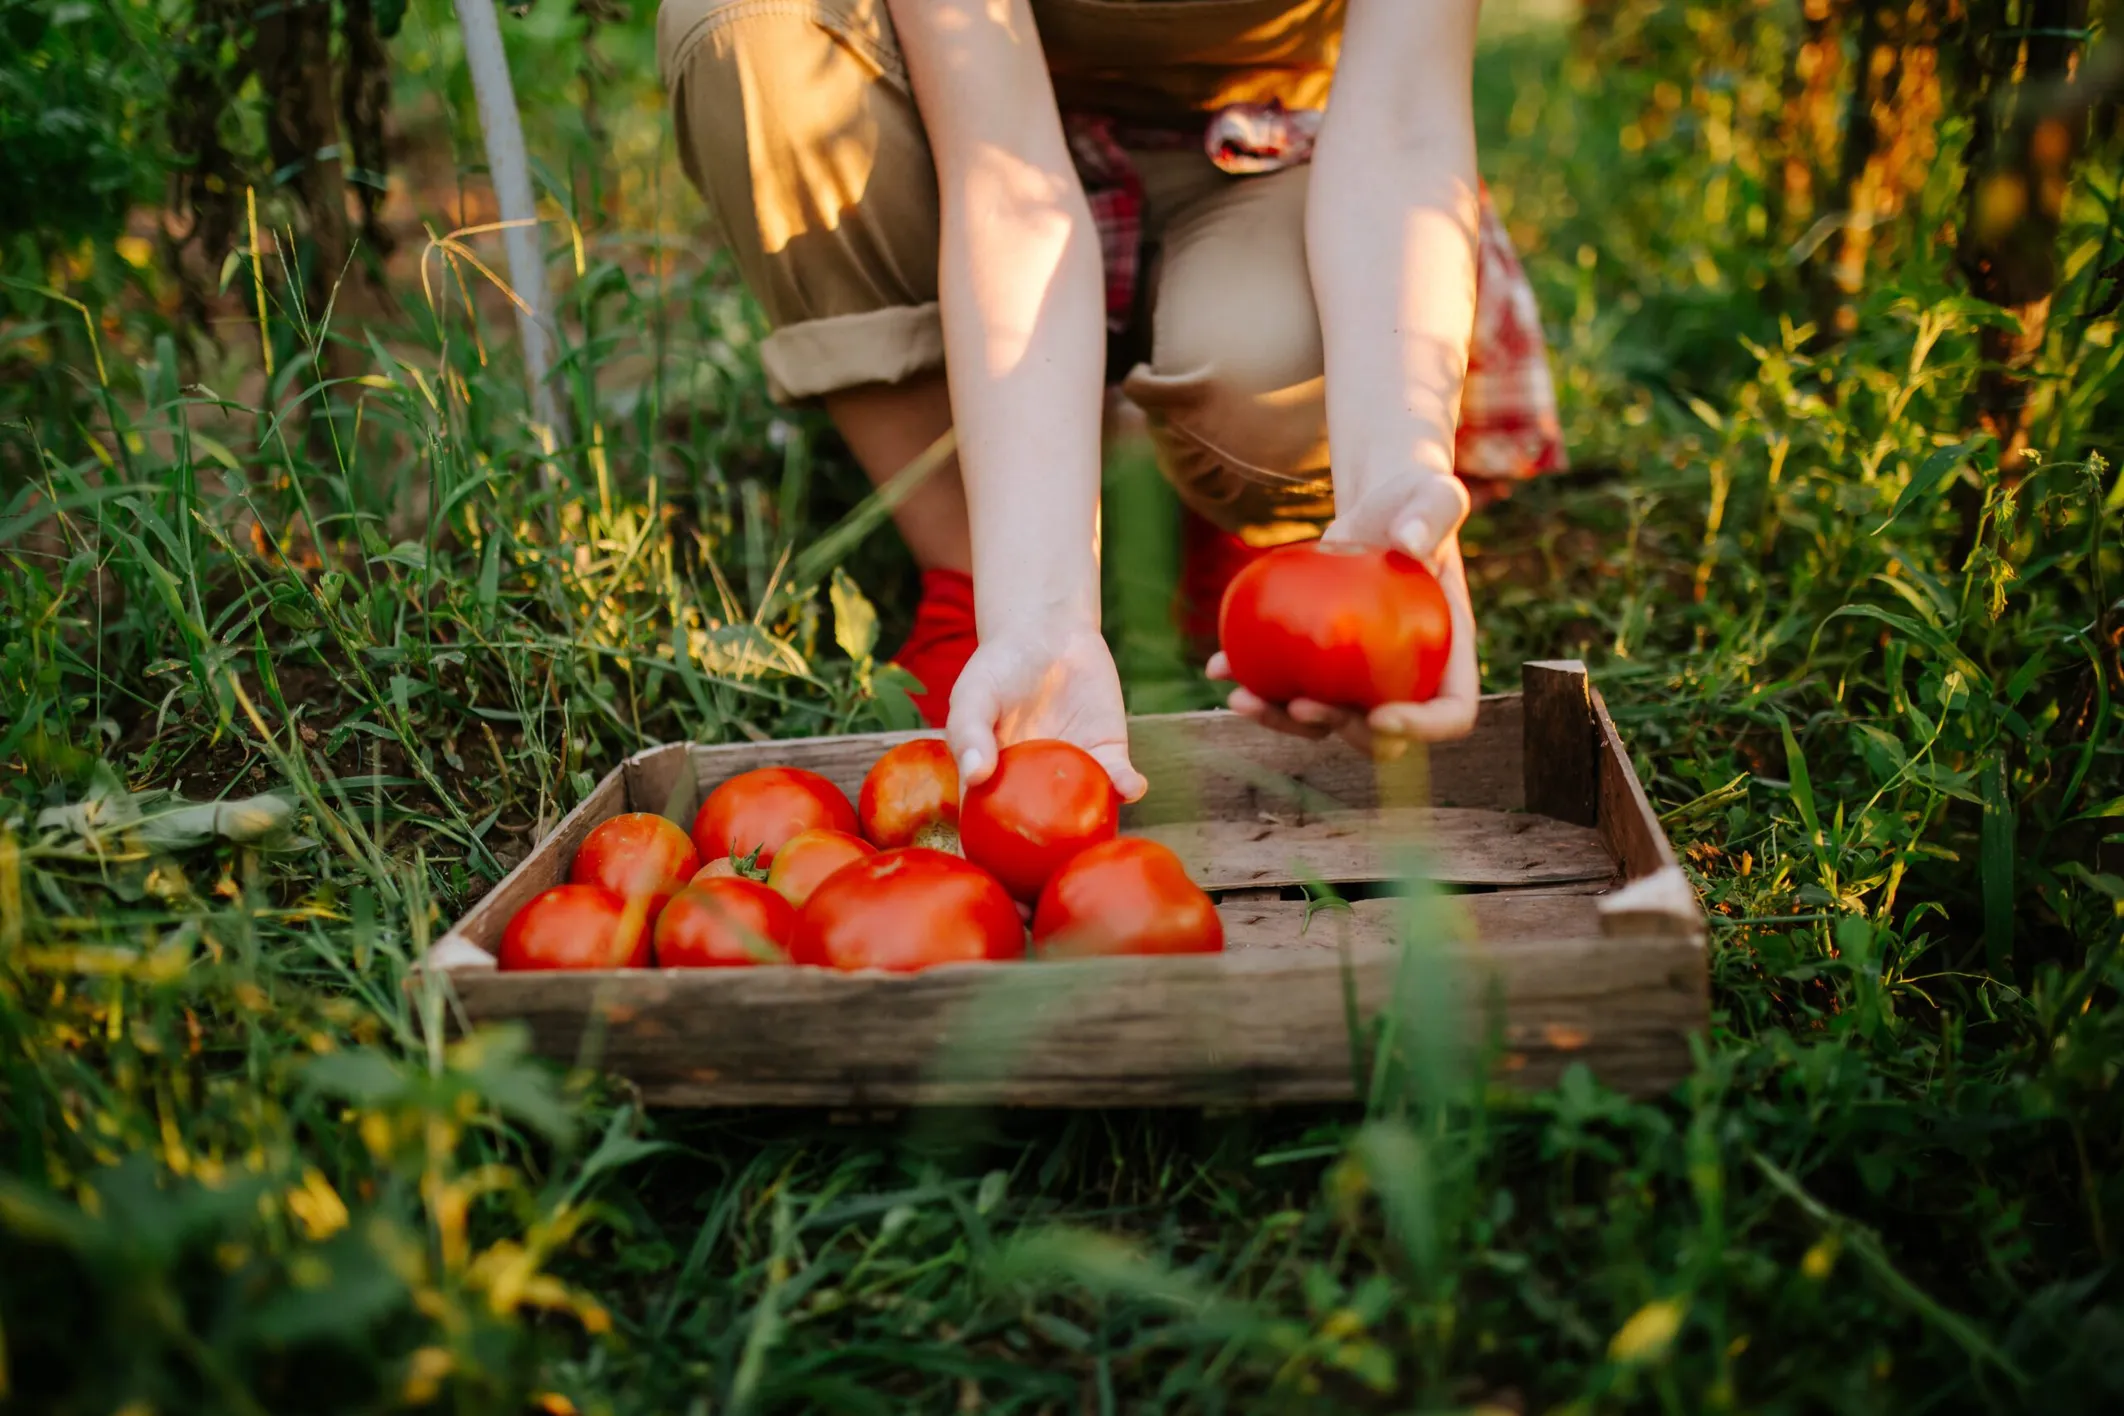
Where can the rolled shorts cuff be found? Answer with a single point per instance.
(812, 358)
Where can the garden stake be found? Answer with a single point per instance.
(502, 128)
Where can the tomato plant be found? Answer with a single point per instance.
(726, 922)
(637, 855)
(1125, 896)
(577, 927)
(911, 797)
(906, 910)
(808, 857)
(1348, 625)
(1046, 801)
(757, 811)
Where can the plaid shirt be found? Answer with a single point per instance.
(1508, 424)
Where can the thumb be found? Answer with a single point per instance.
(970, 730)
(1127, 780)
(1432, 515)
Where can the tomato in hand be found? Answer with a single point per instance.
(1046, 801)
(760, 809)
(637, 855)
(808, 857)
(911, 797)
(727, 922)
(1125, 896)
(577, 927)
(1346, 625)
(907, 910)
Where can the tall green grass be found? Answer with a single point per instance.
(244, 1170)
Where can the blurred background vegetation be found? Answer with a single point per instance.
(1833, 288)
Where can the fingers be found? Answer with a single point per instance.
(1442, 719)
(970, 730)
(1451, 714)
(1315, 714)
(1269, 715)
(1433, 513)
(1219, 667)
(1127, 780)
(1417, 516)
(1349, 725)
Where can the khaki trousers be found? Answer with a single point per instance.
(795, 121)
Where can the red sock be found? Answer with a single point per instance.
(1209, 557)
(942, 640)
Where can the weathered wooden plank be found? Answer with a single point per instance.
(663, 780)
(1218, 766)
(1254, 1026)
(1501, 915)
(1627, 822)
(1456, 846)
(1562, 760)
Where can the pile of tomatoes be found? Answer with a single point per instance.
(905, 878)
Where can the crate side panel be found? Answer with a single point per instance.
(1267, 1026)
(1458, 846)
(1500, 915)
(661, 780)
(1217, 766)
(1628, 824)
(1562, 764)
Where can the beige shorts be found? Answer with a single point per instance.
(796, 122)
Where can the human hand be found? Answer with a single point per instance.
(1041, 681)
(1421, 518)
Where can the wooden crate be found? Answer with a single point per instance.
(1574, 919)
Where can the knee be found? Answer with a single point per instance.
(1241, 434)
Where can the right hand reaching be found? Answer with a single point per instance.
(1041, 681)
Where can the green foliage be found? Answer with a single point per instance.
(1872, 687)
(81, 135)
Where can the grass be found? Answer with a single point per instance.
(245, 1173)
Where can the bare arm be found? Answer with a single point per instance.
(1390, 233)
(1024, 340)
(1390, 239)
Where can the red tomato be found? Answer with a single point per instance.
(760, 809)
(729, 922)
(638, 854)
(577, 927)
(1047, 801)
(1352, 626)
(808, 857)
(722, 867)
(906, 910)
(911, 797)
(1125, 896)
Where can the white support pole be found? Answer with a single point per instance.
(503, 130)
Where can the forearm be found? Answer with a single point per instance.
(1390, 233)
(1024, 335)
(1025, 344)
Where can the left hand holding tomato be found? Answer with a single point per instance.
(1421, 518)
